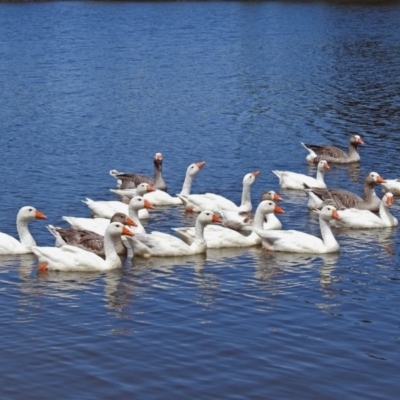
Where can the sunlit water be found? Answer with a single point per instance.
(86, 87)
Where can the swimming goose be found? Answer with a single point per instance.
(160, 244)
(317, 197)
(89, 240)
(161, 198)
(243, 221)
(131, 180)
(99, 225)
(333, 154)
(72, 258)
(364, 219)
(299, 242)
(10, 245)
(106, 209)
(295, 181)
(214, 202)
(217, 236)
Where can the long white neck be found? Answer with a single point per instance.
(386, 215)
(133, 213)
(187, 184)
(23, 232)
(246, 205)
(112, 259)
(199, 240)
(258, 222)
(327, 236)
(320, 175)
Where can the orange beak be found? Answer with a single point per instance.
(130, 222)
(150, 189)
(201, 164)
(389, 200)
(359, 141)
(256, 173)
(278, 210)
(127, 232)
(335, 215)
(39, 215)
(277, 197)
(215, 218)
(326, 165)
(379, 179)
(148, 205)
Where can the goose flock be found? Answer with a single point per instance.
(114, 230)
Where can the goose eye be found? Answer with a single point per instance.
(30, 209)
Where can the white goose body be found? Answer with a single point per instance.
(99, 225)
(159, 244)
(299, 242)
(10, 245)
(243, 221)
(214, 202)
(106, 209)
(221, 237)
(363, 219)
(295, 181)
(391, 185)
(71, 258)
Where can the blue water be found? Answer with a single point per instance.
(90, 86)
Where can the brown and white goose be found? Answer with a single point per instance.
(333, 154)
(89, 240)
(131, 180)
(319, 197)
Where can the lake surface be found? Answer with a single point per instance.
(90, 86)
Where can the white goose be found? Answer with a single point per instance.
(162, 198)
(243, 221)
(364, 219)
(10, 245)
(106, 209)
(72, 258)
(214, 202)
(99, 225)
(295, 181)
(299, 242)
(333, 154)
(217, 236)
(159, 244)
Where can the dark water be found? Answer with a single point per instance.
(87, 86)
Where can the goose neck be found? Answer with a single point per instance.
(24, 234)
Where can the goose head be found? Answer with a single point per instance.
(387, 199)
(323, 165)
(373, 178)
(29, 213)
(158, 160)
(123, 219)
(270, 195)
(269, 207)
(329, 212)
(208, 217)
(115, 229)
(139, 202)
(356, 140)
(194, 169)
(144, 188)
(249, 179)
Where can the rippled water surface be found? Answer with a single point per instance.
(90, 86)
